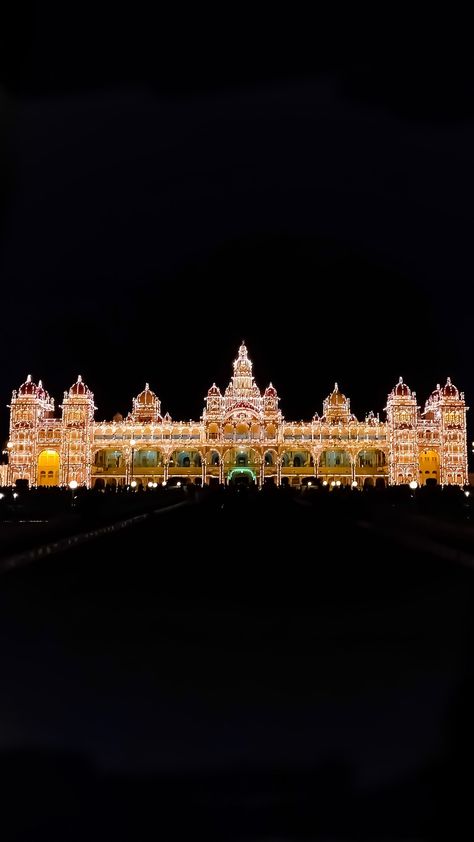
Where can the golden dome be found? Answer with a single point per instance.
(146, 397)
(336, 398)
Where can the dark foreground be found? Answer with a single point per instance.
(244, 667)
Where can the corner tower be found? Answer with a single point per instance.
(29, 406)
(402, 413)
(77, 425)
(453, 435)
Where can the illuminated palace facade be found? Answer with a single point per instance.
(241, 435)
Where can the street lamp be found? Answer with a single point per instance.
(132, 445)
(73, 485)
(413, 484)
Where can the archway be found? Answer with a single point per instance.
(371, 458)
(48, 468)
(429, 466)
(237, 475)
(108, 459)
(147, 458)
(190, 459)
(335, 459)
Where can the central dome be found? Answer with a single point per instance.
(147, 396)
(336, 398)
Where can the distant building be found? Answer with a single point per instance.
(241, 434)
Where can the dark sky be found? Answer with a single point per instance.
(167, 193)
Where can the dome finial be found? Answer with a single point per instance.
(147, 387)
(79, 378)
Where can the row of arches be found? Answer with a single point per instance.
(112, 461)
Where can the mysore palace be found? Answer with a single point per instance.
(241, 435)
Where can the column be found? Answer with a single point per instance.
(165, 471)
(261, 478)
(353, 467)
(203, 466)
(278, 471)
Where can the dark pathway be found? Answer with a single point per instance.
(243, 634)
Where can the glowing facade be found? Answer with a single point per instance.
(241, 434)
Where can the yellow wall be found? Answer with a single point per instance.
(429, 466)
(48, 467)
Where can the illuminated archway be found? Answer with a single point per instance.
(48, 468)
(429, 466)
(237, 473)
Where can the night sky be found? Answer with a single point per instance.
(166, 194)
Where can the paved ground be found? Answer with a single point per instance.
(235, 637)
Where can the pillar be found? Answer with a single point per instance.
(278, 466)
(353, 468)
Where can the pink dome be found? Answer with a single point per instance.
(28, 387)
(270, 391)
(79, 387)
(214, 390)
(41, 392)
(401, 390)
(449, 390)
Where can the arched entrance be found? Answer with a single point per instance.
(429, 467)
(241, 475)
(48, 468)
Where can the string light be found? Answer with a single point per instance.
(241, 427)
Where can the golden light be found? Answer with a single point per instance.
(397, 448)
